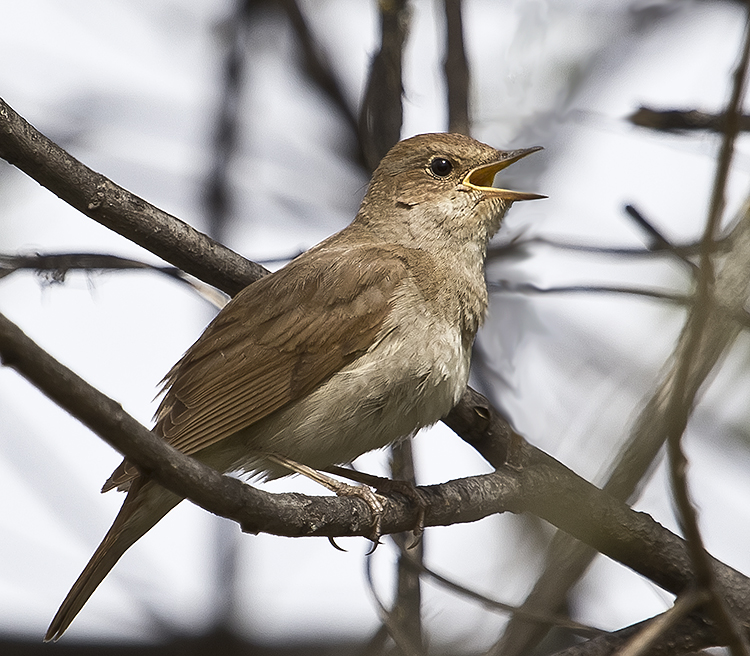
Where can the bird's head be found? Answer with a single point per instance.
(434, 187)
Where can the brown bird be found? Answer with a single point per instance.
(357, 343)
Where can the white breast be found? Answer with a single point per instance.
(414, 373)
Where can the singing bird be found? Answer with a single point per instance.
(355, 344)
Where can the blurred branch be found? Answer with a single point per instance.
(516, 248)
(693, 359)
(530, 288)
(456, 67)
(217, 193)
(381, 114)
(492, 604)
(318, 67)
(657, 241)
(392, 625)
(406, 609)
(56, 266)
(116, 208)
(681, 400)
(676, 120)
(656, 244)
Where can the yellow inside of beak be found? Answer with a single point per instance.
(481, 177)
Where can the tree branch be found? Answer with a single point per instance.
(116, 208)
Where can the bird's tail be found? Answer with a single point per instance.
(144, 506)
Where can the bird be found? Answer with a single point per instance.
(353, 345)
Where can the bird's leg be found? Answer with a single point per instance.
(375, 501)
(387, 486)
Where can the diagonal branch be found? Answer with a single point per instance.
(680, 404)
(116, 208)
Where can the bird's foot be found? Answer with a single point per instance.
(376, 502)
(387, 486)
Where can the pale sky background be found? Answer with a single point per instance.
(131, 87)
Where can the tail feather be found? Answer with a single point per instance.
(144, 506)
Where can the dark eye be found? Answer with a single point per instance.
(441, 167)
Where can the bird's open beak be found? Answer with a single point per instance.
(481, 177)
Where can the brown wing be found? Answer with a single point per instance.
(274, 342)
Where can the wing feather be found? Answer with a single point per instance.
(277, 340)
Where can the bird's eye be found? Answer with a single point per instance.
(441, 167)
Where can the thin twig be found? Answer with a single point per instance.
(657, 241)
(657, 627)
(684, 251)
(680, 404)
(682, 120)
(553, 620)
(531, 288)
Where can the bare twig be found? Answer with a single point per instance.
(530, 288)
(677, 120)
(56, 266)
(53, 268)
(680, 403)
(657, 241)
(683, 251)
